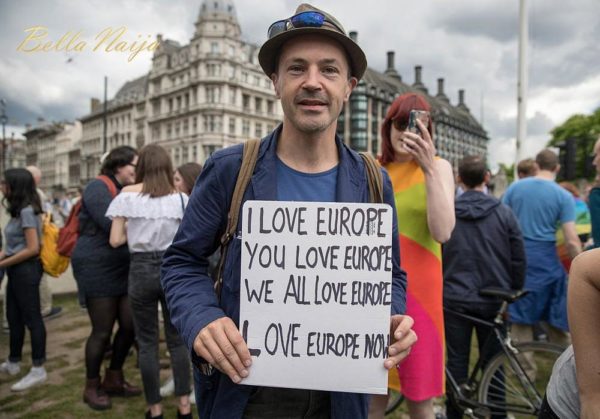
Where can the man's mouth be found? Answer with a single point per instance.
(312, 103)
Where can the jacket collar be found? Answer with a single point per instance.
(349, 188)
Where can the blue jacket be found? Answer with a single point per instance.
(485, 250)
(188, 288)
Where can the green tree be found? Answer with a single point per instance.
(509, 171)
(585, 129)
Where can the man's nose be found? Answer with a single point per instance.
(313, 79)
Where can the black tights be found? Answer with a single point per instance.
(103, 313)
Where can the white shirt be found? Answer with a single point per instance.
(151, 222)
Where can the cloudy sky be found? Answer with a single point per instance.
(472, 44)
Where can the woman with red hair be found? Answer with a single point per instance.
(424, 192)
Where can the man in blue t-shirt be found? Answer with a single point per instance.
(540, 205)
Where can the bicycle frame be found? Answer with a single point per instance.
(465, 395)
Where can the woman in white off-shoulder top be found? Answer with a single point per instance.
(146, 215)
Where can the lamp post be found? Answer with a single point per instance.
(3, 120)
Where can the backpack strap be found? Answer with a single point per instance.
(374, 178)
(112, 188)
(249, 157)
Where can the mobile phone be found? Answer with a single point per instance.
(422, 116)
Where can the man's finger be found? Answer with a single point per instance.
(220, 358)
(239, 345)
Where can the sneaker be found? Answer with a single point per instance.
(193, 396)
(10, 368)
(168, 388)
(36, 375)
(54, 312)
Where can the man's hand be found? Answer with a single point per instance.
(221, 345)
(402, 337)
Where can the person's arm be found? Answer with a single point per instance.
(96, 199)
(572, 241)
(517, 251)
(118, 232)
(439, 183)
(32, 248)
(584, 312)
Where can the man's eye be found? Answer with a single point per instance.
(296, 69)
(330, 70)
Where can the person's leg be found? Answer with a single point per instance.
(45, 295)
(458, 350)
(143, 297)
(558, 336)
(103, 313)
(125, 334)
(30, 274)
(378, 404)
(180, 361)
(15, 319)
(420, 409)
(114, 382)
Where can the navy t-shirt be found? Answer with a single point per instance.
(293, 185)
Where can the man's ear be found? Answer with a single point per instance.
(557, 169)
(487, 177)
(274, 79)
(352, 82)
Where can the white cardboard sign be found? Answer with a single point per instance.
(315, 294)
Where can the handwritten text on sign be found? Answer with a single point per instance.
(315, 294)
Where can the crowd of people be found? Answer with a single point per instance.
(148, 237)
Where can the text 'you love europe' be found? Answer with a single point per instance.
(316, 293)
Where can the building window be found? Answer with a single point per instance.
(270, 108)
(245, 128)
(232, 93)
(169, 130)
(185, 155)
(195, 153)
(258, 105)
(245, 77)
(246, 102)
(232, 125)
(214, 47)
(258, 130)
(185, 127)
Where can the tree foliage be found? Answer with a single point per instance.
(585, 129)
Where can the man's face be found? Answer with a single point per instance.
(312, 82)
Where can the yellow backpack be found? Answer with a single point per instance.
(53, 263)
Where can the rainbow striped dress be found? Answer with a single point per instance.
(421, 375)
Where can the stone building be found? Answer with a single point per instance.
(196, 98)
(49, 147)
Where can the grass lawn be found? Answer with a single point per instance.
(61, 395)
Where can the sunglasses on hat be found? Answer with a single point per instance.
(308, 19)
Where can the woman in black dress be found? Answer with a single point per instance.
(101, 273)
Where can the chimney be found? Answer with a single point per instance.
(391, 70)
(418, 84)
(461, 100)
(354, 36)
(94, 104)
(440, 94)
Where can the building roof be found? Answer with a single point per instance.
(131, 92)
(389, 86)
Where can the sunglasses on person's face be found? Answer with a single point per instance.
(399, 125)
(301, 20)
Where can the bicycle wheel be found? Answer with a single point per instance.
(395, 399)
(517, 383)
